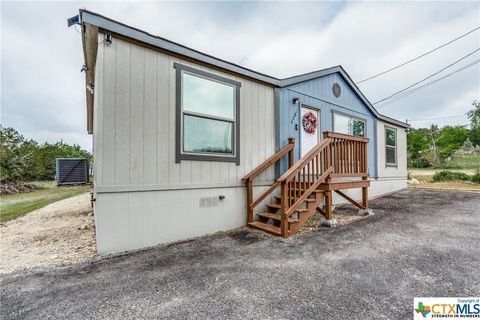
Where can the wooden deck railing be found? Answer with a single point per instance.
(303, 178)
(337, 155)
(251, 203)
(348, 155)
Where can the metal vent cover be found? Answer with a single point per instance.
(71, 171)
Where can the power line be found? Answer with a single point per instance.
(430, 76)
(416, 58)
(407, 93)
(441, 118)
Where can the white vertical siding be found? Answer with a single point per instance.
(132, 220)
(401, 169)
(137, 133)
(142, 196)
(150, 114)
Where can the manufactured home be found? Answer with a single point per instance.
(187, 144)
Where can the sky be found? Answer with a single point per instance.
(43, 90)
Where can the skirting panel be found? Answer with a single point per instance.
(133, 220)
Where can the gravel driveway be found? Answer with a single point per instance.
(419, 243)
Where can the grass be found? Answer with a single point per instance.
(462, 162)
(426, 181)
(15, 205)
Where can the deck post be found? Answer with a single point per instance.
(291, 153)
(365, 197)
(249, 200)
(365, 177)
(328, 205)
(283, 215)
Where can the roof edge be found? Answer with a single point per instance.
(143, 36)
(120, 28)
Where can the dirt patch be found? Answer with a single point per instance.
(245, 235)
(344, 214)
(57, 235)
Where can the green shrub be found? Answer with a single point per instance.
(420, 163)
(449, 176)
(476, 177)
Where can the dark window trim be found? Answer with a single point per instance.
(391, 165)
(345, 114)
(179, 155)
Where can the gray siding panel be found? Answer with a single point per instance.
(122, 115)
(150, 119)
(137, 133)
(137, 65)
(108, 128)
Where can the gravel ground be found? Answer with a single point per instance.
(59, 234)
(418, 243)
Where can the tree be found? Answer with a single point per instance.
(10, 154)
(26, 160)
(432, 134)
(450, 139)
(474, 117)
(467, 145)
(417, 145)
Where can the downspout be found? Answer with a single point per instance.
(297, 126)
(375, 152)
(277, 117)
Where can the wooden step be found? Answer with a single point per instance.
(278, 206)
(306, 200)
(276, 217)
(314, 191)
(265, 227)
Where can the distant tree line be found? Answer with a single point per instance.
(27, 160)
(431, 146)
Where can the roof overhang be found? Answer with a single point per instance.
(93, 23)
(90, 45)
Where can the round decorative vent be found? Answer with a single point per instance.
(337, 91)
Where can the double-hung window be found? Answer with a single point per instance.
(208, 113)
(348, 125)
(390, 147)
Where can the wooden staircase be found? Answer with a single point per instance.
(307, 184)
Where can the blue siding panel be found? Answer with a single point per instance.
(317, 93)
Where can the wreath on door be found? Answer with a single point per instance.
(309, 122)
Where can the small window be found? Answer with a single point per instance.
(207, 116)
(348, 125)
(390, 147)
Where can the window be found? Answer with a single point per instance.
(390, 147)
(207, 117)
(348, 125)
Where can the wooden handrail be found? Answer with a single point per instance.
(267, 163)
(331, 134)
(308, 192)
(305, 159)
(251, 204)
(302, 179)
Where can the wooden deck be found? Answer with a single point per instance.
(309, 182)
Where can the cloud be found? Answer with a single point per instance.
(43, 90)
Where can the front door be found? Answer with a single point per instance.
(309, 129)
